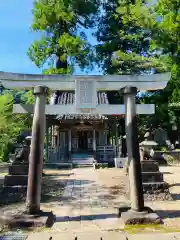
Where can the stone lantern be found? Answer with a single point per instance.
(146, 149)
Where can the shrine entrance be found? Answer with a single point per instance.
(83, 141)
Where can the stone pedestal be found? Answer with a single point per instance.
(154, 187)
(18, 218)
(143, 217)
(18, 175)
(15, 184)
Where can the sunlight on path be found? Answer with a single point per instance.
(84, 205)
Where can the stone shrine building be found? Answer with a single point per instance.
(84, 113)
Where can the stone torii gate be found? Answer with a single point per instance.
(86, 88)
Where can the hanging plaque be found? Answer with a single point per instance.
(85, 94)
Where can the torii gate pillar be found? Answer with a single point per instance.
(135, 178)
(36, 152)
(138, 213)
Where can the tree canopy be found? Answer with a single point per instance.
(63, 45)
(162, 20)
(124, 46)
(134, 37)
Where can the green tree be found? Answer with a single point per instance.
(125, 36)
(63, 44)
(163, 21)
(166, 36)
(124, 42)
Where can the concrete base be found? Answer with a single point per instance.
(20, 219)
(131, 217)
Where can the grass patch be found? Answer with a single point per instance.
(133, 229)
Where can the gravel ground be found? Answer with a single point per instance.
(115, 181)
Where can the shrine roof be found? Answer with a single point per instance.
(65, 98)
(68, 98)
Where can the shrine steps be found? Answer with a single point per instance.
(57, 165)
(82, 160)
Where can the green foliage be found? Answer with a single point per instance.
(100, 165)
(134, 37)
(125, 33)
(29, 98)
(10, 124)
(166, 35)
(63, 43)
(163, 23)
(125, 42)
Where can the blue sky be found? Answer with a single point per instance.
(16, 36)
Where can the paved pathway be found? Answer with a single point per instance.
(83, 210)
(105, 236)
(87, 210)
(83, 206)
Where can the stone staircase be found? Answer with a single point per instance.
(82, 160)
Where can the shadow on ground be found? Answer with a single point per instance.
(175, 196)
(175, 185)
(168, 213)
(58, 174)
(86, 217)
(166, 172)
(52, 191)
